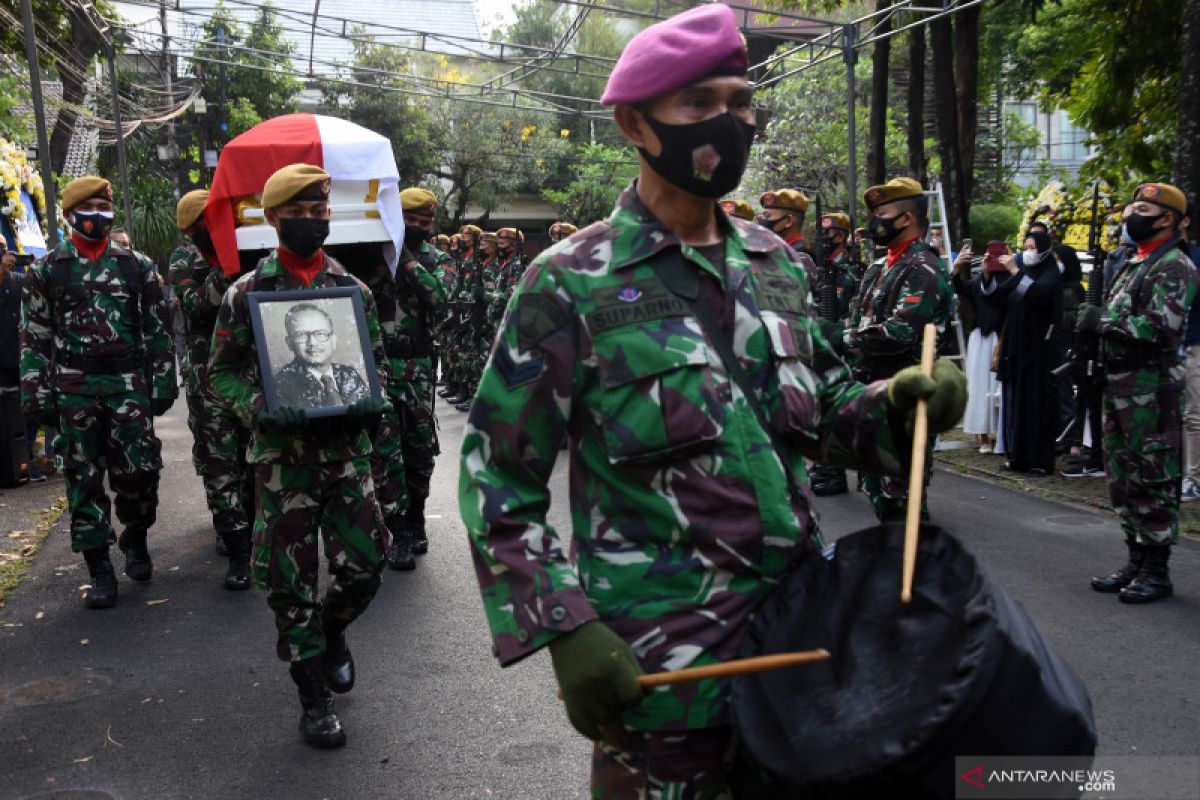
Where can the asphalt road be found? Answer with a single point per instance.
(176, 693)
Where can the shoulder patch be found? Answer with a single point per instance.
(538, 316)
(515, 374)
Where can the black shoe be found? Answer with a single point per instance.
(221, 547)
(450, 391)
(319, 723)
(414, 524)
(137, 558)
(1153, 580)
(337, 665)
(400, 554)
(829, 481)
(464, 406)
(103, 591)
(1118, 580)
(237, 575)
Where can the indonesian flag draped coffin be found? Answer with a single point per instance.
(354, 157)
(960, 671)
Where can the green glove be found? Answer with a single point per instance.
(1088, 318)
(597, 673)
(285, 419)
(364, 413)
(834, 334)
(946, 393)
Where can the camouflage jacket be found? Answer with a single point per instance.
(1146, 309)
(407, 306)
(81, 332)
(508, 276)
(843, 277)
(892, 308)
(199, 285)
(236, 377)
(681, 519)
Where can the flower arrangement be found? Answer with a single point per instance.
(17, 175)
(1069, 218)
(1050, 206)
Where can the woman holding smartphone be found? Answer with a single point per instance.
(982, 416)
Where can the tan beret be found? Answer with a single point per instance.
(474, 230)
(418, 201)
(890, 192)
(1163, 194)
(85, 188)
(563, 228)
(442, 238)
(487, 236)
(296, 182)
(509, 233)
(786, 199)
(738, 208)
(190, 208)
(835, 221)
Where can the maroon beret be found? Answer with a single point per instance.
(678, 51)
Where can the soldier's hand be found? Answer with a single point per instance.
(597, 674)
(285, 419)
(1088, 318)
(945, 392)
(161, 405)
(834, 334)
(364, 413)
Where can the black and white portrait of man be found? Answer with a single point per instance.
(312, 379)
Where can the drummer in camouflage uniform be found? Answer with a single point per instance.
(1141, 327)
(312, 476)
(98, 363)
(898, 297)
(218, 441)
(682, 516)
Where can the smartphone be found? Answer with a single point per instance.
(991, 261)
(966, 244)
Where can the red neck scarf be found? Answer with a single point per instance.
(896, 250)
(794, 239)
(1145, 249)
(302, 269)
(91, 250)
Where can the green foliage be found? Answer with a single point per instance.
(151, 196)
(599, 174)
(14, 90)
(994, 222)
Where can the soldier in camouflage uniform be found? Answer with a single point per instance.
(459, 302)
(682, 517)
(478, 284)
(898, 297)
(218, 441)
(508, 273)
(97, 363)
(828, 480)
(1141, 328)
(312, 476)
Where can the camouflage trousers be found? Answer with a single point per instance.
(295, 505)
(114, 434)
(388, 468)
(889, 494)
(479, 347)
(219, 455)
(414, 396)
(676, 765)
(1143, 444)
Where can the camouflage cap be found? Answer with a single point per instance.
(1162, 194)
(190, 208)
(296, 182)
(737, 208)
(786, 199)
(890, 192)
(85, 188)
(418, 201)
(835, 221)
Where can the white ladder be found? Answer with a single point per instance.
(938, 219)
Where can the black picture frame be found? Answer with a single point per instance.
(285, 371)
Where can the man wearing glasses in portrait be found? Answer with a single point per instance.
(312, 379)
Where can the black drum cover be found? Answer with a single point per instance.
(961, 670)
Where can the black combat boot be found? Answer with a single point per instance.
(400, 554)
(319, 723)
(237, 575)
(220, 546)
(337, 664)
(464, 406)
(1125, 575)
(414, 524)
(103, 592)
(828, 481)
(1153, 580)
(452, 390)
(137, 558)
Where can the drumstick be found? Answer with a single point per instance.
(916, 476)
(728, 669)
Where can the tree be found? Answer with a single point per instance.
(599, 174)
(371, 101)
(880, 56)
(1187, 156)
(915, 122)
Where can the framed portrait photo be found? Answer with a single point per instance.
(314, 351)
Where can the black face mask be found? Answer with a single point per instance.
(829, 243)
(1141, 226)
(203, 241)
(883, 230)
(92, 225)
(706, 158)
(770, 224)
(303, 235)
(414, 237)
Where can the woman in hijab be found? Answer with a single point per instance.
(1031, 298)
(983, 388)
